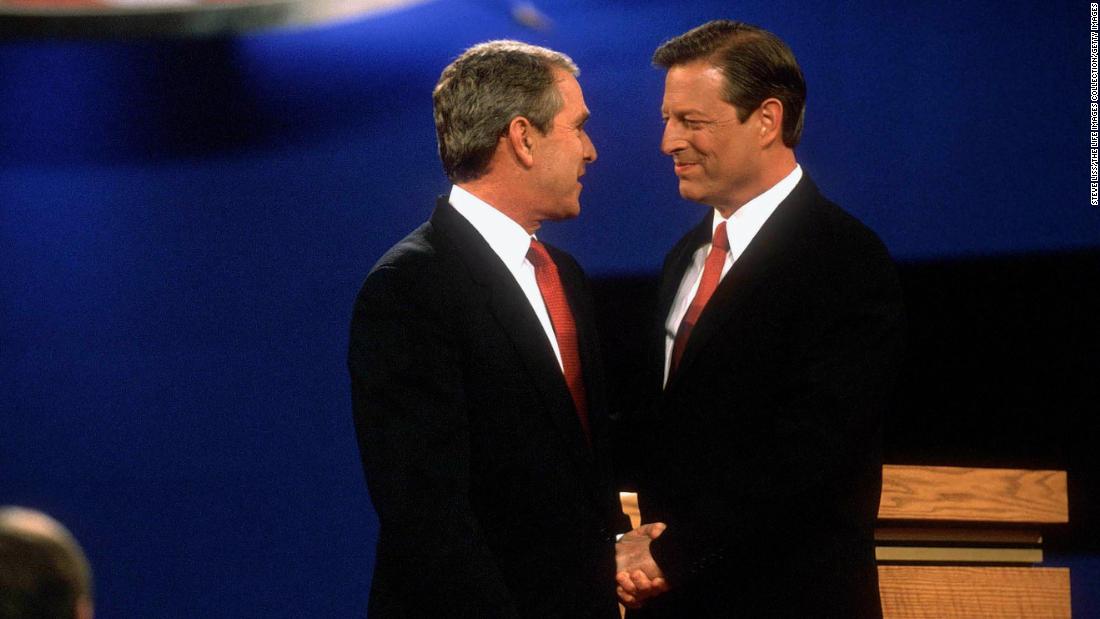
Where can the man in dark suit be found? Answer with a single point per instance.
(476, 378)
(781, 330)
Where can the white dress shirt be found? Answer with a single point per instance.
(741, 227)
(510, 242)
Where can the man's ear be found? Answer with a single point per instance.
(520, 138)
(771, 121)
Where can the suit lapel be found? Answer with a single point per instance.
(677, 263)
(587, 342)
(766, 251)
(511, 309)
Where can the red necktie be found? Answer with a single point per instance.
(565, 329)
(712, 272)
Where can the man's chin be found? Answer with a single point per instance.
(566, 213)
(688, 191)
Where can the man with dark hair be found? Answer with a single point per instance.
(476, 378)
(43, 572)
(781, 328)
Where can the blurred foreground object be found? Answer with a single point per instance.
(172, 18)
(43, 571)
(529, 15)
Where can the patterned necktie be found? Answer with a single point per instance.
(712, 272)
(565, 329)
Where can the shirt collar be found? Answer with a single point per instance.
(507, 238)
(752, 215)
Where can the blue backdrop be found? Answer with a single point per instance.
(184, 226)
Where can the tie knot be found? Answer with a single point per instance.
(538, 255)
(720, 241)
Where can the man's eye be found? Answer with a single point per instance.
(692, 123)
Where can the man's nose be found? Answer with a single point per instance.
(671, 139)
(589, 149)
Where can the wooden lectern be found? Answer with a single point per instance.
(965, 543)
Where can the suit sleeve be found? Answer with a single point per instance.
(411, 422)
(826, 414)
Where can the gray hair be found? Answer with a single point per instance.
(479, 94)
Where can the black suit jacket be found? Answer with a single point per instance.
(762, 452)
(490, 501)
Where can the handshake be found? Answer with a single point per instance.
(637, 574)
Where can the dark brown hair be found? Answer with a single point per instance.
(757, 65)
(40, 577)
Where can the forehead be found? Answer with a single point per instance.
(697, 84)
(570, 90)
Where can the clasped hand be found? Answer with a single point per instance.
(638, 575)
